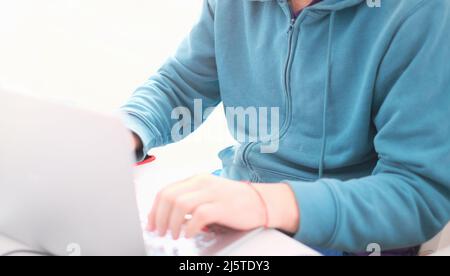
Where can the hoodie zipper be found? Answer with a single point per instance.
(247, 148)
(287, 75)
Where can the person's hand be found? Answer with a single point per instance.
(137, 142)
(214, 200)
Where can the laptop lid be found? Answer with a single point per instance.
(66, 179)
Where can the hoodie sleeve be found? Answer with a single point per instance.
(406, 201)
(191, 74)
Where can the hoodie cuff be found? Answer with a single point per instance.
(318, 212)
(134, 124)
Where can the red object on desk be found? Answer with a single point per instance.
(147, 160)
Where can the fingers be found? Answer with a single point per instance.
(184, 205)
(152, 215)
(203, 216)
(159, 217)
(162, 214)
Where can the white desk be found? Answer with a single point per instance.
(149, 179)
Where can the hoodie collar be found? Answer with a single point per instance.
(325, 5)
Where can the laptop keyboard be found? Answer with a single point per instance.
(215, 241)
(166, 246)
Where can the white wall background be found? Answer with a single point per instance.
(94, 53)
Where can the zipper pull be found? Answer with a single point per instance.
(291, 25)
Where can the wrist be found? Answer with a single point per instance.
(282, 207)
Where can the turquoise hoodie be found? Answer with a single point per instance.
(364, 95)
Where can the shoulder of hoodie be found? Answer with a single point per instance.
(405, 9)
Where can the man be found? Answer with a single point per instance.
(363, 90)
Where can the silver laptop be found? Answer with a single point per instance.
(66, 186)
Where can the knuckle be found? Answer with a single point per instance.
(167, 197)
(182, 204)
(202, 215)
